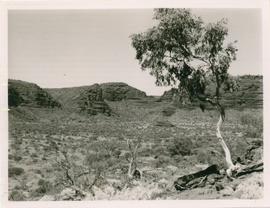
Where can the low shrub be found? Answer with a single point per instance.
(203, 156)
(43, 187)
(210, 156)
(162, 161)
(181, 146)
(16, 195)
(17, 158)
(15, 171)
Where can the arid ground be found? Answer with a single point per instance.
(54, 152)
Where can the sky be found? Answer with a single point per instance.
(65, 48)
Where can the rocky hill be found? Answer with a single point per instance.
(115, 91)
(92, 101)
(249, 94)
(112, 91)
(22, 93)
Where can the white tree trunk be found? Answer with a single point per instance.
(228, 158)
(130, 168)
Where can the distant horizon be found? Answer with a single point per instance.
(169, 87)
(68, 48)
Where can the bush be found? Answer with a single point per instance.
(16, 196)
(162, 161)
(181, 146)
(203, 156)
(15, 171)
(210, 156)
(43, 187)
(17, 158)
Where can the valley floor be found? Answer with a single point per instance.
(53, 152)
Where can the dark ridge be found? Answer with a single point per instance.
(21, 93)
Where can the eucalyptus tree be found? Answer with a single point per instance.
(182, 51)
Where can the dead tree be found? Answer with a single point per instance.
(133, 172)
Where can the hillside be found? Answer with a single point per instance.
(249, 94)
(113, 91)
(22, 93)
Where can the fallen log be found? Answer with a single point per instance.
(182, 183)
(199, 178)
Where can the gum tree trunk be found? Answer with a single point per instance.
(228, 158)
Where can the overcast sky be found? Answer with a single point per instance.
(60, 48)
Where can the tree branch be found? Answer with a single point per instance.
(201, 59)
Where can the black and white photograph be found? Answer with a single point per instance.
(161, 103)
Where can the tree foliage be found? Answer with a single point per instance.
(183, 51)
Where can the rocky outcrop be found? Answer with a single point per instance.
(249, 94)
(22, 93)
(92, 102)
(116, 91)
(112, 91)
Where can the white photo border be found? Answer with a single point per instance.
(7, 5)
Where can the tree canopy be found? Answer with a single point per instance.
(181, 50)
